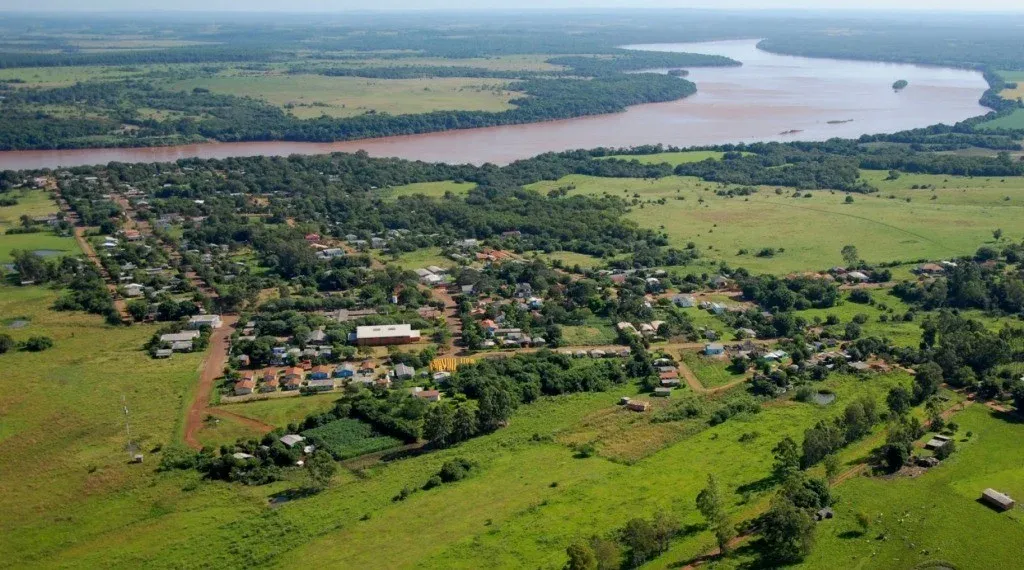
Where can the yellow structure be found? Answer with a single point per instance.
(448, 364)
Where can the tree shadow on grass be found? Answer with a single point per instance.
(1008, 417)
(850, 534)
(282, 497)
(759, 486)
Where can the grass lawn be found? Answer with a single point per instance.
(1014, 120)
(572, 259)
(1013, 77)
(217, 431)
(31, 203)
(814, 230)
(38, 241)
(62, 438)
(420, 259)
(902, 333)
(595, 334)
(710, 371)
(314, 95)
(62, 76)
(280, 412)
(673, 158)
(431, 189)
(512, 62)
(936, 516)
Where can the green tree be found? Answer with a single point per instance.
(607, 552)
(439, 424)
(320, 467)
(666, 527)
(787, 459)
(832, 466)
(581, 557)
(927, 380)
(787, 533)
(1017, 392)
(850, 254)
(495, 407)
(997, 234)
(138, 309)
(640, 538)
(464, 423)
(899, 400)
(712, 507)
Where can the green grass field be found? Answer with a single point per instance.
(62, 438)
(314, 95)
(431, 189)
(936, 516)
(572, 259)
(900, 332)
(31, 203)
(673, 158)
(421, 258)
(280, 412)
(1014, 120)
(595, 334)
(711, 372)
(508, 514)
(813, 230)
(1013, 77)
(217, 431)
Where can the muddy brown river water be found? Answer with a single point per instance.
(771, 97)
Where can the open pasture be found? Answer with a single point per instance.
(308, 95)
(812, 230)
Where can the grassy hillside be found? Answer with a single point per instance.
(884, 226)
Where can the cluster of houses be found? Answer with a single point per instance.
(622, 352)
(668, 377)
(497, 331)
(184, 341)
(325, 378)
(648, 330)
(433, 276)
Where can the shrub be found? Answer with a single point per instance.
(38, 343)
(456, 469)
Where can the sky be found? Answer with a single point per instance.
(403, 5)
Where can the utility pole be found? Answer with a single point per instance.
(133, 450)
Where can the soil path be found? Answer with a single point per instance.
(213, 368)
(83, 243)
(255, 424)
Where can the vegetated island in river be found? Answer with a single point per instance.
(678, 72)
(900, 85)
(839, 122)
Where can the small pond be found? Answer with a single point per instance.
(823, 398)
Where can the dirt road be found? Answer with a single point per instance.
(90, 253)
(213, 368)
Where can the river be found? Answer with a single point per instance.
(766, 97)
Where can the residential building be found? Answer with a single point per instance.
(183, 336)
(200, 321)
(404, 372)
(714, 349)
(244, 387)
(428, 395)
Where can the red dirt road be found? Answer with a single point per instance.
(213, 368)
